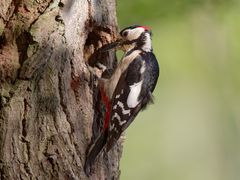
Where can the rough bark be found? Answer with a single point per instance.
(47, 93)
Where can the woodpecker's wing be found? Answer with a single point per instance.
(127, 99)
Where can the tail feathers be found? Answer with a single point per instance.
(93, 152)
(111, 141)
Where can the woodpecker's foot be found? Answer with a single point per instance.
(101, 66)
(95, 71)
(98, 70)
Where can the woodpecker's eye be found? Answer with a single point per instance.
(125, 33)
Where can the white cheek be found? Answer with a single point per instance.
(148, 45)
(135, 89)
(135, 33)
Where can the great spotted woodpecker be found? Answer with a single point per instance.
(128, 90)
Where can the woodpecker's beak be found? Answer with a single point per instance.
(110, 46)
(114, 45)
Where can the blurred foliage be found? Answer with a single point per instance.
(192, 132)
(138, 11)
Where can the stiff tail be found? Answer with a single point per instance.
(94, 150)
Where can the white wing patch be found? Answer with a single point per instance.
(115, 106)
(116, 116)
(135, 89)
(117, 96)
(124, 111)
(112, 126)
(122, 122)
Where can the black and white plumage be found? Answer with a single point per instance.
(133, 92)
(129, 89)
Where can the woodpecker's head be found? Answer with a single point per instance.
(138, 37)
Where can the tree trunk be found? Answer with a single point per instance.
(47, 93)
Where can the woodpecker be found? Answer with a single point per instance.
(128, 90)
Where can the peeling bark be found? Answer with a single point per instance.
(48, 96)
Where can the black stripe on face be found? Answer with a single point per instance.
(141, 40)
(130, 27)
(133, 27)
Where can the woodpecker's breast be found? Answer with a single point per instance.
(110, 84)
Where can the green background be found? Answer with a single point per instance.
(192, 132)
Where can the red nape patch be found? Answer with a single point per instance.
(146, 28)
(107, 104)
